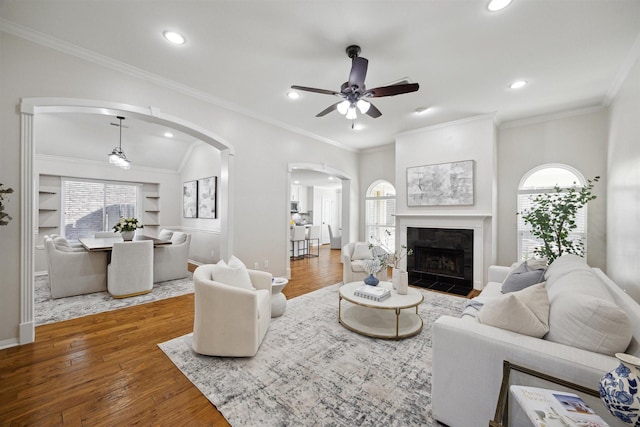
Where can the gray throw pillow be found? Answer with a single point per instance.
(521, 277)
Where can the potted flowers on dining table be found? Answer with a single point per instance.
(127, 227)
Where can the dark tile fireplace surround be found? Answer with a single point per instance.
(442, 259)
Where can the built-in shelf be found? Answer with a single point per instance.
(151, 206)
(49, 202)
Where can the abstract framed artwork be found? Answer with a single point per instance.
(443, 184)
(190, 199)
(207, 197)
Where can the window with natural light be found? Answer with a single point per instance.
(543, 179)
(380, 208)
(92, 206)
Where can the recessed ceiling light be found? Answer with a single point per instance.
(495, 5)
(296, 182)
(293, 95)
(168, 134)
(358, 126)
(422, 110)
(174, 37)
(518, 84)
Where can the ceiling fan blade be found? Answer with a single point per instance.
(373, 111)
(328, 110)
(392, 90)
(315, 90)
(358, 71)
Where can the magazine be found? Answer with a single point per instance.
(550, 408)
(374, 293)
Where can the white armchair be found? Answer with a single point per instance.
(74, 271)
(354, 255)
(230, 321)
(170, 262)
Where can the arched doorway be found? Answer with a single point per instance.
(345, 211)
(29, 108)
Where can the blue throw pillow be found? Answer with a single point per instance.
(521, 277)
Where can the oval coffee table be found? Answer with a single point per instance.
(394, 318)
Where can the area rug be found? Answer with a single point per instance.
(311, 371)
(49, 310)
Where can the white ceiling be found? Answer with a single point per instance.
(92, 137)
(246, 54)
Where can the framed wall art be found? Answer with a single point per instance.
(207, 197)
(190, 199)
(443, 184)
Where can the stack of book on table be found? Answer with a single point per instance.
(374, 293)
(555, 408)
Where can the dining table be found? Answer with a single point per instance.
(93, 244)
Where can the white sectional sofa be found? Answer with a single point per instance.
(468, 355)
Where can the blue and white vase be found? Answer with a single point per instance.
(371, 280)
(619, 390)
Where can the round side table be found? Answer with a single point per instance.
(278, 300)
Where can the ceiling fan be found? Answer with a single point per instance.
(355, 93)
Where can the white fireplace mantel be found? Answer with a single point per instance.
(479, 223)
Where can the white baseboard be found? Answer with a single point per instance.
(12, 342)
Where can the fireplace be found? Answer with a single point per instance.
(442, 259)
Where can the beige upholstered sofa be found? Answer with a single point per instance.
(230, 319)
(354, 255)
(170, 262)
(74, 270)
(590, 318)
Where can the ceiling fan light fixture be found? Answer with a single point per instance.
(343, 107)
(363, 106)
(351, 113)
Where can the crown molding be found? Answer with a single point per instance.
(451, 123)
(552, 116)
(623, 72)
(105, 61)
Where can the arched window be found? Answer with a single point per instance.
(379, 210)
(543, 179)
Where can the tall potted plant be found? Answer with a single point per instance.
(552, 218)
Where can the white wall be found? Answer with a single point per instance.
(201, 162)
(259, 175)
(471, 139)
(577, 140)
(375, 164)
(623, 186)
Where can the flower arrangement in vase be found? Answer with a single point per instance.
(373, 266)
(127, 227)
(393, 259)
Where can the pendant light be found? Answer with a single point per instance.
(117, 156)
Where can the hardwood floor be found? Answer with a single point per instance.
(107, 370)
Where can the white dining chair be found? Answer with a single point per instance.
(298, 238)
(313, 234)
(130, 272)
